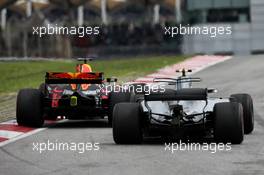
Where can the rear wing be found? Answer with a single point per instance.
(74, 78)
(172, 81)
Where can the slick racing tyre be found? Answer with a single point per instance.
(248, 111)
(228, 122)
(29, 108)
(127, 123)
(117, 97)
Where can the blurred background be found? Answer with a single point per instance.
(129, 27)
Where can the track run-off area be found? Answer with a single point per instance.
(241, 74)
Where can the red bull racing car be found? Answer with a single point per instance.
(79, 95)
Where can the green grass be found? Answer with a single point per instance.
(29, 74)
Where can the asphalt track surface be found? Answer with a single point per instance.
(240, 74)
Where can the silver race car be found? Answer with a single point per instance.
(181, 110)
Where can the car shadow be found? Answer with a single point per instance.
(163, 140)
(99, 123)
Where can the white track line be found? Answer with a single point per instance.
(11, 122)
(21, 136)
(9, 134)
(25, 134)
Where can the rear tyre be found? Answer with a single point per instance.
(248, 111)
(114, 98)
(228, 122)
(29, 110)
(127, 123)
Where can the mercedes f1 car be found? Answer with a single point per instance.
(182, 110)
(78, 95)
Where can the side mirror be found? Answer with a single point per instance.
(211, 90)
(111, 80)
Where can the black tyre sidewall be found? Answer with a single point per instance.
(248, 110)
(29, 110)
(127, 123)
(228, 122)
(115, 98)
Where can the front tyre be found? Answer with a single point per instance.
(127, 123)
(228, 122)
(29, 110)
(248, 111)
